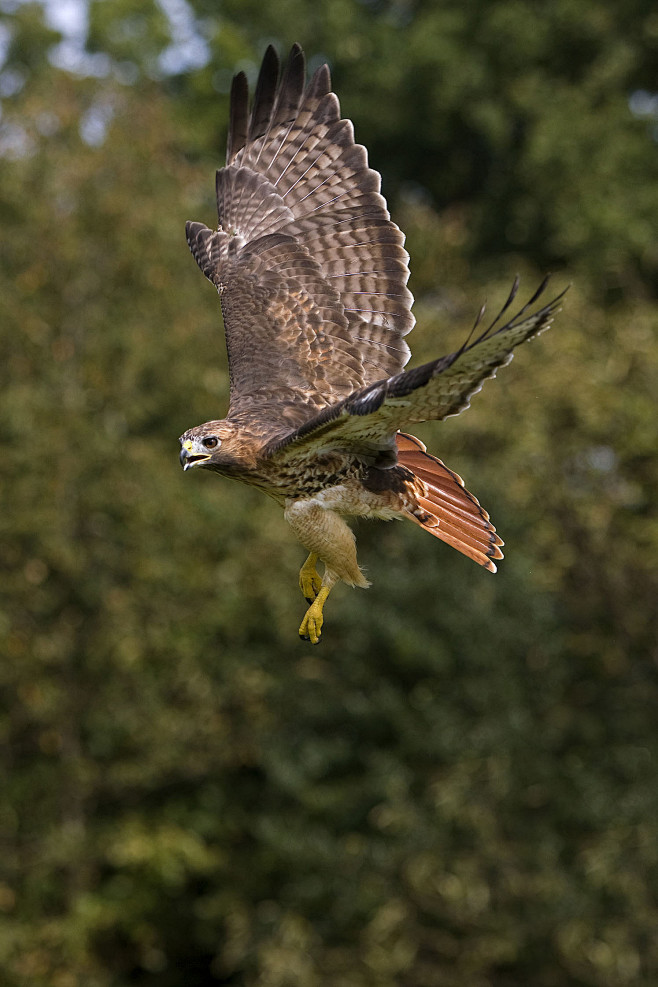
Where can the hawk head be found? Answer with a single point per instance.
(213, 446)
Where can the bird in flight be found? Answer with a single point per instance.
(312, 278)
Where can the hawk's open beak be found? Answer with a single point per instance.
(188, 458)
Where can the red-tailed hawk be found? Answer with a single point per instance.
(312, 276)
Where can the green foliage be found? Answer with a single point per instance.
(458, 786)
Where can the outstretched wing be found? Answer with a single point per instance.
(365, 423)
(310, 269)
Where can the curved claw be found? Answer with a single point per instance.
(311, 626)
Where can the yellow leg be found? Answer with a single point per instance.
(311, 626)
(309, 581)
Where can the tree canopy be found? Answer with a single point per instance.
(459, 785)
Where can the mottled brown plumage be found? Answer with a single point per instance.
(312, 276)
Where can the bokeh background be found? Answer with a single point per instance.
(458, 787)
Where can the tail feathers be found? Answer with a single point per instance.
(446, 509)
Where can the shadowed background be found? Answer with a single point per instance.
(458, 787)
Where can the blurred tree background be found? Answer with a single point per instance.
(458, 788)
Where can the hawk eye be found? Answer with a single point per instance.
(209, 442)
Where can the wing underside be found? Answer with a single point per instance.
(367, 421)
(310, 269)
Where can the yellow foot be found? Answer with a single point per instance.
(311, 626)
(309, 581)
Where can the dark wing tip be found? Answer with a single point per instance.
(320, 83)
(261, 110)
(548, 310)
(295, 52)
(291, 87)
(238, 116)
(274, 101)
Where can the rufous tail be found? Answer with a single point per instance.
(446, 509)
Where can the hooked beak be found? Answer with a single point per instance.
(189, 458)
